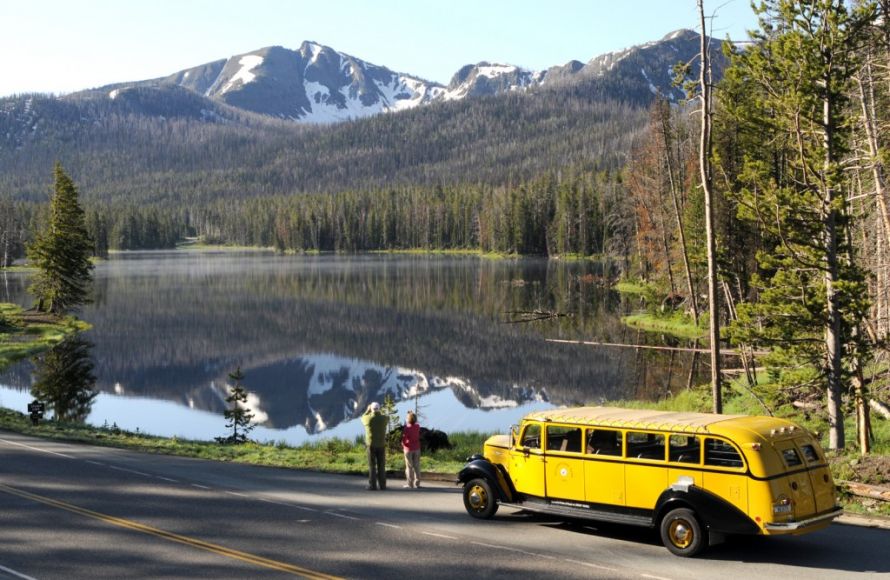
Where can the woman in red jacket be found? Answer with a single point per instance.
(411, 447)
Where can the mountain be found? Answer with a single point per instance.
(317, 84)
(263, 123)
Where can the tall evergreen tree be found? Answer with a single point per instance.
(61, 253)
(811, 292)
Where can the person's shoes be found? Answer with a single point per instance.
(371, 488)
(417, 485)
(407, 486)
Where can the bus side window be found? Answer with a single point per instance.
(604, 442)
(721, 454)
(645, 445)
(531, 437)
(685, 449)
(561, 438)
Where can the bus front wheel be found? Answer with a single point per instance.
(682, 533)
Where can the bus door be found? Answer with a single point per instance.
(527, 461)
(802, 493)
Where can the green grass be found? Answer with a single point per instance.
(675, 324)
(635, 288)
(21, 338)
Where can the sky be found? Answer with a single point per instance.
(61, 46)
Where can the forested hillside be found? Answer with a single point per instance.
(191, 154)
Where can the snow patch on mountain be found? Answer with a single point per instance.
(245, 74)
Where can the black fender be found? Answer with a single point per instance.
(479, 467)
(714, 512)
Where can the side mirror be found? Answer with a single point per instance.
(514, 434)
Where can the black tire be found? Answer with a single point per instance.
(682, 533)
(479, 499)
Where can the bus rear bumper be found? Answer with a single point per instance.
(809, 524)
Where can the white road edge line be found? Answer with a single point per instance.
(167, 479)
(388, 525)
(125, 470)
(37, 449)
(438, 535)
(199, 486)
(236, 493)
(517, 550)
(95, 463)
(295, 506)
(589, 565)
(344, 516)
(654, 577)
(16, 574)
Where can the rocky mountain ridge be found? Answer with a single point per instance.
(318, 84)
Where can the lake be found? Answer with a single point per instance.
(462, 339)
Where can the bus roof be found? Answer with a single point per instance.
(666, 420)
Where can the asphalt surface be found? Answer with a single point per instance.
(75, 511)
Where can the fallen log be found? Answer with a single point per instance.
(866, 490)
(879, 408)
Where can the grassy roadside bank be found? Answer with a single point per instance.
(24, 334)
(330, 455)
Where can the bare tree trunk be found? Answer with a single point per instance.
(705, 166)
(863, 418)
(833, 323)
(667, 254)
(865, 82)
(882, 283)
(690, 287)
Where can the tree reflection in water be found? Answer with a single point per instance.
(64, 379)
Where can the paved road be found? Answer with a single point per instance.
(73, 511)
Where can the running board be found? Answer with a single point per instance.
(582, 513)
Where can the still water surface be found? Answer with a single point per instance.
(319, 337)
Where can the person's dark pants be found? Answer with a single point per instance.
(377, 467)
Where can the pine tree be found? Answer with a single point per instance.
(238, 418)
(61, 253)
(811, 292)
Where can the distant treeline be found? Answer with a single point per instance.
(550, 215)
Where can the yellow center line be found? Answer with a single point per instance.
(195, 543)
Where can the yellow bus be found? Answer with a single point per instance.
(693, 476)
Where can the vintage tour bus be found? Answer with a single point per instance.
(694, 476)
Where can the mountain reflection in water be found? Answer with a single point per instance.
(319, 337)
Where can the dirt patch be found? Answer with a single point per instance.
(871, 469)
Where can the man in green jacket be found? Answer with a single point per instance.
(375, 438)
